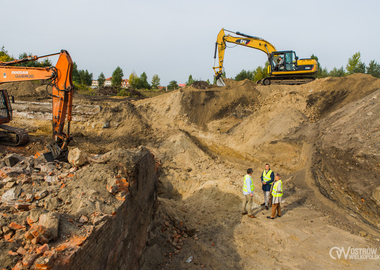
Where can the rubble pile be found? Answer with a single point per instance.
(49, 209)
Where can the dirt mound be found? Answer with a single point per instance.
(330, 94)
(116, 126)
(200, 85)
(30, 90)
(199, 107)
(113, 91)
(107, 91)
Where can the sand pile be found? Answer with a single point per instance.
(29, 90)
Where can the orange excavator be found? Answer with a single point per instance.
(60, 77)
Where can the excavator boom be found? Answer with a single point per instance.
(243, 40)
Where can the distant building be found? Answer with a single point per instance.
(125, 83)
(94, 84)
(182, 84)
(108, 82)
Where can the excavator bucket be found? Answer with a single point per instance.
(220, 82)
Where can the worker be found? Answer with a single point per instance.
(277, 196)
(267, 178)
(248, 194)
(280, 64)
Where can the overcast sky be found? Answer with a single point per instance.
(177, 38)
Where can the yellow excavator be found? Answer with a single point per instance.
(284, 66)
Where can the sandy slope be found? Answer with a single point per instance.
(322, 136)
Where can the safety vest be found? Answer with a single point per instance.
(274, 189)
(245, 188)
(266, 176)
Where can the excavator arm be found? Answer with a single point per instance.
(243, 40)
(62, 92)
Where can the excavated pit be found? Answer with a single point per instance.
(321, 136)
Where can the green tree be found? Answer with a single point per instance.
(208, 82)
(155, 81)
(244, 74)
(172, 85)
(4, 56)
(324, 73)
(76, 77)
(85, 78)
(45, 63)
(320, 70)
(133, 80)
(337, 72)
(143, 82)
(190, 80)
(355, 65)
(260, 72)
(101, 80)
(117, 77)
(373, 69)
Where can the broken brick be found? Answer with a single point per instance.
(22, 206)
(21, 251)
(6, 229)
(18, 266)
(15, 226)
(46, 261)
(83, 219)
(36, 240)
(42, 249)
(29, 236)
(7, 237)
(12, 253)
(42, 194)
(28, 259)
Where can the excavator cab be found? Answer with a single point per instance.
(5, 107)
(283, 61)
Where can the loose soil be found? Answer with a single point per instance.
(323, 137)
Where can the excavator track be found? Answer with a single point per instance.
(13, 136)
(286, 80)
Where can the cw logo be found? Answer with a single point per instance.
(339, 252)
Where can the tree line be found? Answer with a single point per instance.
(354, 65)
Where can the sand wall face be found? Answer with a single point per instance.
(120, 241)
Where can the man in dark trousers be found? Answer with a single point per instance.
(267, 178)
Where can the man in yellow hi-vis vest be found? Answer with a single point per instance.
(267, 178)
(248, 194)
(277, 196)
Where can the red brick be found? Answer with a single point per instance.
(18, 266)
(8, 236)
(42, 249)
(46, 261)
(29, 236)
(28, 259)
(21, 251)
(12, 253)
(36, 240)
(15, 226)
